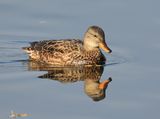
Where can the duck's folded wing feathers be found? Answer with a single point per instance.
(55, 46)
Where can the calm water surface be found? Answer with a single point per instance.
(133, 33)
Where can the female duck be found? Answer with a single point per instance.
(71, 52)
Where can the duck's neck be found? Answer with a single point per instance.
(89, 45)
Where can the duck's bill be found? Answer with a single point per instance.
(105, 47)
(104, 84)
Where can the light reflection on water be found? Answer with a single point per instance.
(90, 75)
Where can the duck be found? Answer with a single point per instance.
(71, 52)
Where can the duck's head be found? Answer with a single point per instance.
(95, 38)
(95, 89)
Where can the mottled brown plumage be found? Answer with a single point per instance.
(71, 52)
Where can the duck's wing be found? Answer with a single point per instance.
(54, 46)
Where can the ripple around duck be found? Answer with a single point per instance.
(112, 61)
(115, 59)
(14, 57)
(13, 61)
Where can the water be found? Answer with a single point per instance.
(132, 32)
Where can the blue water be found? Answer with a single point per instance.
(132, 32)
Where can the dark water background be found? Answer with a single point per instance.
(132, 30)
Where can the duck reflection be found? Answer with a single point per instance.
(90, 75)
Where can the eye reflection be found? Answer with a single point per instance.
(91, 75)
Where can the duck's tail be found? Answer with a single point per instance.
(30, 48)
(27, 49)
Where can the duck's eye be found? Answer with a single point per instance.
(95, 35)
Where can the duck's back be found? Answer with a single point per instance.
(64, 46)
(54, 51)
